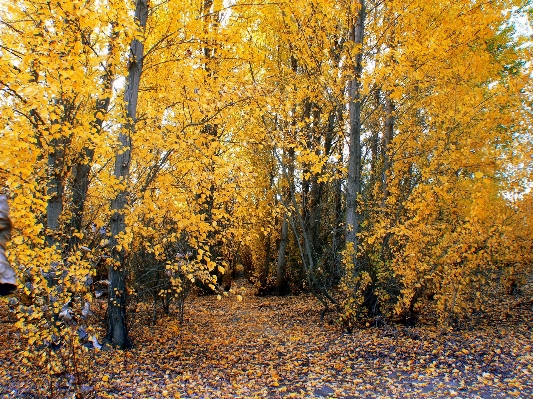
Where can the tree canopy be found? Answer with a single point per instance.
(377, 154)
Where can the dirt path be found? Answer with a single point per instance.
(277, 347)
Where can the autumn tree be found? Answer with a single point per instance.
(436, 121)
(116, 309)
(372, 149)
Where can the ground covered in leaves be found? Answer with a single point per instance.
(278, 347)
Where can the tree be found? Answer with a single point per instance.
(117, 330)
(353, 182)
(373, 145)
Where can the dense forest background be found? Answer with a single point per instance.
(377, 154)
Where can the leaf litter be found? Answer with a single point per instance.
(277, 347)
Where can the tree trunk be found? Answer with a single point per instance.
(306, 179)
(387, 138)
(54, 190)
(281, 283)
(80, 181)
(353, 184)
(281, 267)
(318, 187)
(117, 332)
(266, 266)
(376, 155)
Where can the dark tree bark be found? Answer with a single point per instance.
(387, 138)
(338, 215)
(314, 199)
(353, 183)
(82, 169)
(56, 185)
(55, 191)
(117, 332)
(266, 265)
(281, 267)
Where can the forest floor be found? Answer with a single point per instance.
(270, 347)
